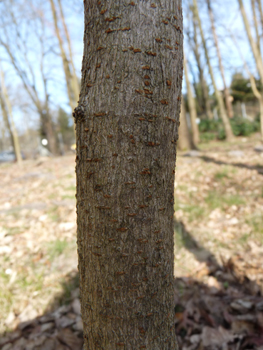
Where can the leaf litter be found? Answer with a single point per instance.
(218, 252)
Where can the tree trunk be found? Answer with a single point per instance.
(192, 107)
(184, 139)
(207, 106)
(222, 111)
(221, 67)
(8, 116)
(127, 128)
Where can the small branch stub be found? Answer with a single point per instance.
(78, 113)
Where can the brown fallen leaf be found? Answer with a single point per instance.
(67, 337)
(211, 336)
(242, 327)
(64, 322)
(241, 305)
(49, 344)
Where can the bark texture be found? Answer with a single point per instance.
(127, 128)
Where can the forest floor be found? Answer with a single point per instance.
(218, 251)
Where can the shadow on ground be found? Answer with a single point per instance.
(221, 308)
(258, 168)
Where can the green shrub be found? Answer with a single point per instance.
(240, 127)
(221, 134)
(207, 136)
(208, 125)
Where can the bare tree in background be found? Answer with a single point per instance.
(252, 42)
(221, 67)
(68, 66)
(255, 20)
(192, 106)
(258, 94)
(3, 128)
(260, 13)
(203, 98)
(17, 51)
(8, 117)
(219, 99)
(257, 57)
(184, 139)
(127, 129)
(75, 81)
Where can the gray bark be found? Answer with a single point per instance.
(127, 128)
